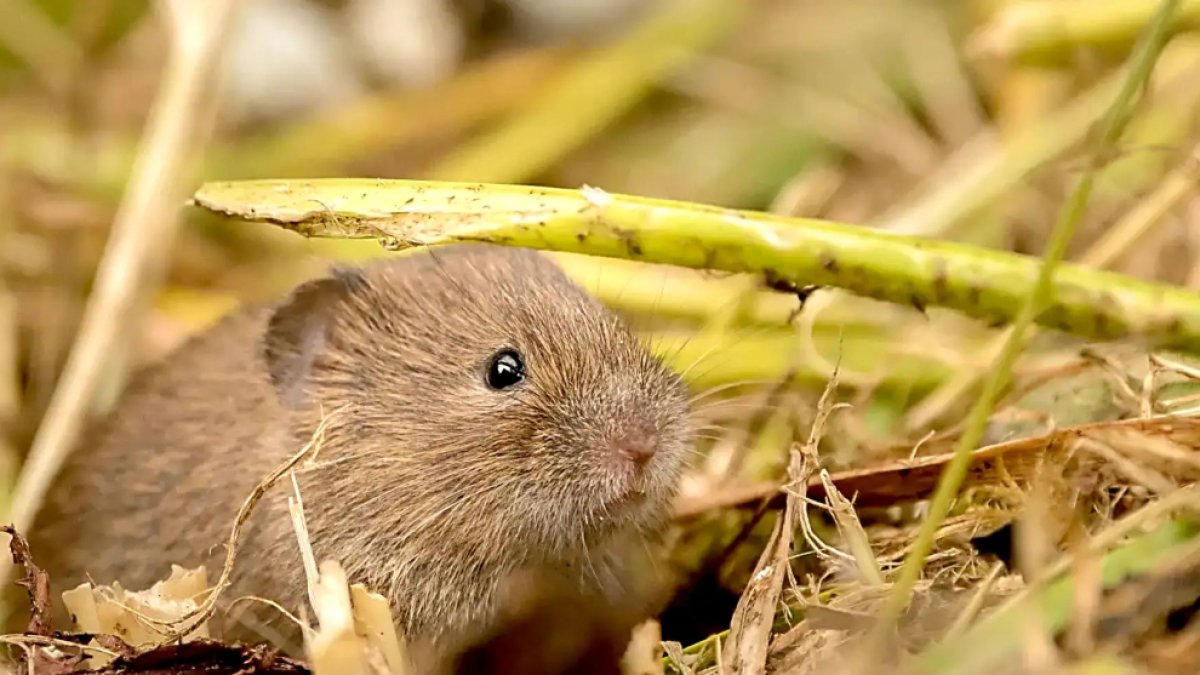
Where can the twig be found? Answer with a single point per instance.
(188, 623)
(143, 231)
(1142, 63)
(43, 641)
(300, 524)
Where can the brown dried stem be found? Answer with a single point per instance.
(143, 231)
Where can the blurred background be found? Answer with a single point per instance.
(954, 119)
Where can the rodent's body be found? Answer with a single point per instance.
(435, 486)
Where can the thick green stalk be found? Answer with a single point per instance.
(987, 284)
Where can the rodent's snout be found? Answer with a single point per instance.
(636, 446)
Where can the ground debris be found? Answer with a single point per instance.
(205, 656)
(45, 651)
(36, 583)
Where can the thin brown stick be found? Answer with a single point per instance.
(143, 231)
(193, 620)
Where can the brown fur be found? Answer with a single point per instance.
(460, 503)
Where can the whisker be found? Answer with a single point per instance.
(716, 389)
(729, 405)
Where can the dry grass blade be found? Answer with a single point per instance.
(300, 525)
(754, 617)
(908, 480)
(746, 647)
(357, 632)
(143, 231)
(851, 529)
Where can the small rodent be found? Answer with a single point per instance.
(500, 436)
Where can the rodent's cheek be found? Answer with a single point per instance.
(480, 408)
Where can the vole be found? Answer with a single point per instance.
(494, 435)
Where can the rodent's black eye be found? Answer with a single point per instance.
(505, 369)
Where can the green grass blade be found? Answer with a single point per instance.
(1000, 637)
(1038, 298)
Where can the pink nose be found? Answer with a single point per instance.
(636, 448)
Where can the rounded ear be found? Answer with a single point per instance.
(298, 330)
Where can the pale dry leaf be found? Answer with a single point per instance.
(750, 631)
(132, 615)
(373, 620)
(334, 648)
(643, 655)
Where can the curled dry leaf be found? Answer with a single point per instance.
(750, 630)
(356, 633)
(133, 615)
(643, 656)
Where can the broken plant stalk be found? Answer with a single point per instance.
(790, 252)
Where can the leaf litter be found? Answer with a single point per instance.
(1122, 481)
(163, 630)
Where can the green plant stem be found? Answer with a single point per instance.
(869, 354)
(952, 477)
(983, 283)
(709, 360)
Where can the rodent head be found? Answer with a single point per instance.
(487, 398)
